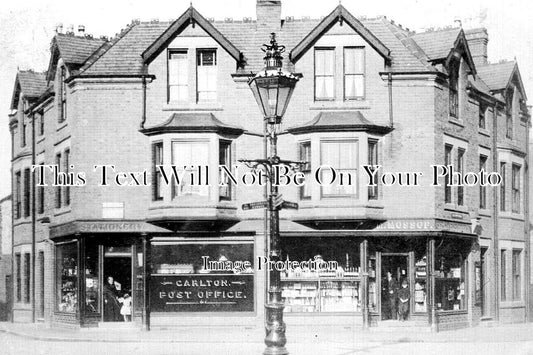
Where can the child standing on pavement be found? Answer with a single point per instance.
(125, 310)
(403, 297)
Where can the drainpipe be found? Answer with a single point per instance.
(143, 116)
(33, 219)
(389, 84)
(496, 253)
(12, 228)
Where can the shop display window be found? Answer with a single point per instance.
(420, 291)
(91, 279)
(67, 277)
(450, 267)
(335, 289)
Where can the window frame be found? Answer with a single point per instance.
(18, 194)
(516, 277)
(362, 74)
(157, 183)
(199, 52)
(27, 193)
(27, 278)
(509, 114)
(503, 173)
(40, 195)
(225, 193)
(66, 162)
(58, 198)
(516, 171)
(373, 159)
(174, 194)
(305, 155)
(461, 152)
(333, 95)
(355, 169)
(18, 277)
(503, 275)
(448, 161)
(186, 53)
(483, 189)
(63, 94)
(453, 89)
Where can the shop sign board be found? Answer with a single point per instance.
(202, 293)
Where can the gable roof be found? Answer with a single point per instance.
(32, 84)
(74, 50)
(340, 14)
(437, 44)
(498, 76)
(190, 16)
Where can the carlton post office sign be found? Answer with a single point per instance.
(202, 293)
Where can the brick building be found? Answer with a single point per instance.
(176, 93)
(6, 283)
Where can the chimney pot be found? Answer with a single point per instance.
(81, 30)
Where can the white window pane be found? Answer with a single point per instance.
(354, 86)
(349, 60)
(319, 63)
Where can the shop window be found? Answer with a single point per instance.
(342, 157)
(482, 189)
(373, 161)
(194, 158)
(18, 276)
(304, 150)
(92, 304)
(58, 188)
(461, 169)
(157, 161)
(448, 162)
(208, 276)
(450, 271)
(27, 278)
(324, 74)
(517, 275)
(27, 185)
(503, 185)
(503, 275)
(354, 73)
(178, 80)
(18, 195)
(420, 294)
(67, 277)
(334, 287)
(515, 184)
(224, 159)
(206, 65)
(482, 116)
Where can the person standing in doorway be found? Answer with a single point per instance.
(403, 301)
(111, 306)
(391, 289)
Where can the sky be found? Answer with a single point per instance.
(27, 27)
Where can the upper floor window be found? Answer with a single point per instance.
(224, 159)
(503, 185)
(40, 196)
(58, 188)
(18, 277)
(342, 157)
(178, 81)
(39, 117)
(373, 161)
(447, 183)
(509, 114)
(482, 188)
(66, 169)
(18, 194)
(63, 94)
(354, 73)
(206, 62)
(324, 73)
(304, 150)
(193, 157)
(460, 168)
(157, 160)
(515, 182)
(482, 118)
(454, 89)
(517, 274)
(27, 185)
(503, 275)
(23, 125)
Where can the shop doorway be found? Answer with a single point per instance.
(117, 281)
(394, 271)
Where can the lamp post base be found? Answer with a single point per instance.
(275, 339)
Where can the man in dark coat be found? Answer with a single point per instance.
(390, 288)
(111, 306)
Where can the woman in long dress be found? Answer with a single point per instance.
(111, 306)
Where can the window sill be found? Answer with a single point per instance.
(61, 211)
(485, 212)
(484, 132)
(512, 304)
(511, 215)
(456, 121)
(190, 106)
(61, 125)
(40, 139)
(452, 207)
(339, 105)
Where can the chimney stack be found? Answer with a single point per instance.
(81, 30)
(477, 39)
(59, 28)
(268, 16)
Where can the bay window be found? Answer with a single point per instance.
(341, 157)
(517, 271)
(193, 158)
(224, 159)
(461, 168)
(305, 156)
(447, 183)
(515, 182)
(373, 161)
(157, 160)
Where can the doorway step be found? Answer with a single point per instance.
(409, 326)
(487, 322)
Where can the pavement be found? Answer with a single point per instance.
(19, 338)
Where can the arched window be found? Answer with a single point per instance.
(454, 88)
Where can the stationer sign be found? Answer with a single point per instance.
(202, 293)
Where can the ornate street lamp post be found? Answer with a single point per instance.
(272, 89)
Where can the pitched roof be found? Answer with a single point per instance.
(340, 14)
(193, 122)
(437, 44)
(337, 121)
(32, 84)
(76, 49)
(497, 75)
